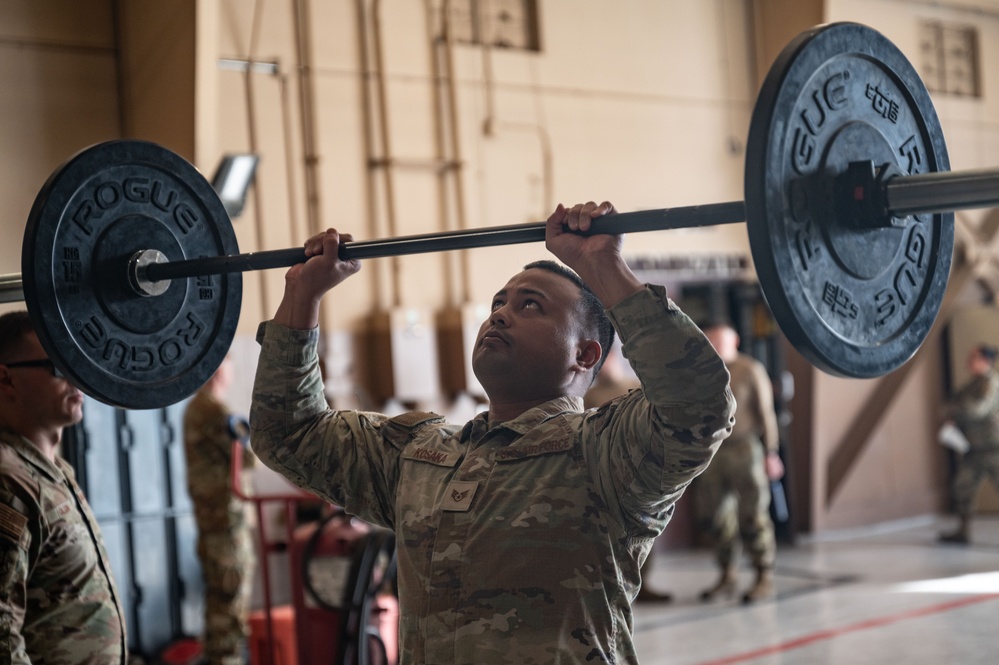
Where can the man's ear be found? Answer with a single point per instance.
(6, 385)
(588, 353)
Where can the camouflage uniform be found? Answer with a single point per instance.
(732, 497)
(520, 543)
(225, 543)
(58, 601)
(604, 391)
(975, 410)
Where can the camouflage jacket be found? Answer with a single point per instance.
(208, 452)
(58, 601)
(521, 542)
(754, 394)
(975, 409)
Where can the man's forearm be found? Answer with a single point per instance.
(611, 282)
(287, 388)
(297, 310)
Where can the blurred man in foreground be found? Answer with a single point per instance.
(58, 601)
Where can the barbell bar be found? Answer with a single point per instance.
(904, 196)
(149, 272)
(512, 234)
(11, 288)
(133, 279)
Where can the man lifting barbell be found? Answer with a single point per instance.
(521, 534)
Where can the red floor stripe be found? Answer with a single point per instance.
(852, 628)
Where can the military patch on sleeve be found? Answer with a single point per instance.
(11, 524)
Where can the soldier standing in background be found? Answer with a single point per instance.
(975, 411)
(58, 601)
(225, 543)
(732, 497)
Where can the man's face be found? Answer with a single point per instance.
(724, 340)
(224, 374)
(529, 341)
(978, 364)
(50, 401)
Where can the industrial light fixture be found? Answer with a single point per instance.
(233, 179)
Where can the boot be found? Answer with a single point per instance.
(725, 586)
(649, 596)
(961, 536)
(764, 587)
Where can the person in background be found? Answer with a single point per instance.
(520, 534)
(732, 497)
(58, 600)
(974, 409)
(614, 380)
(225, 542)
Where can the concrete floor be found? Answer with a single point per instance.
(886, 594)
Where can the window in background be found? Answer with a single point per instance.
(509, 24)
(949, 57)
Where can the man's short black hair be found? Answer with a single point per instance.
(14, 329)
(594, 318)
(988, 352)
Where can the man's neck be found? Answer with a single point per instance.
(500, 412)
(503, 408)
(45, 439)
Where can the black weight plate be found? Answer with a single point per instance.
(95, 211)
(855, 301)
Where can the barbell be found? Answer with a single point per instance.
(132, 276)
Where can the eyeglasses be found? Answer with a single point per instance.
(41, 362)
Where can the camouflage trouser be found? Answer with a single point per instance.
(973, 469)
(732, 503)
(227, 564)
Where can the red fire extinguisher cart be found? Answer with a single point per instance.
(342, 572)
(343, 610)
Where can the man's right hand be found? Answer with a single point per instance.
(307, 283)
(597, 258)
